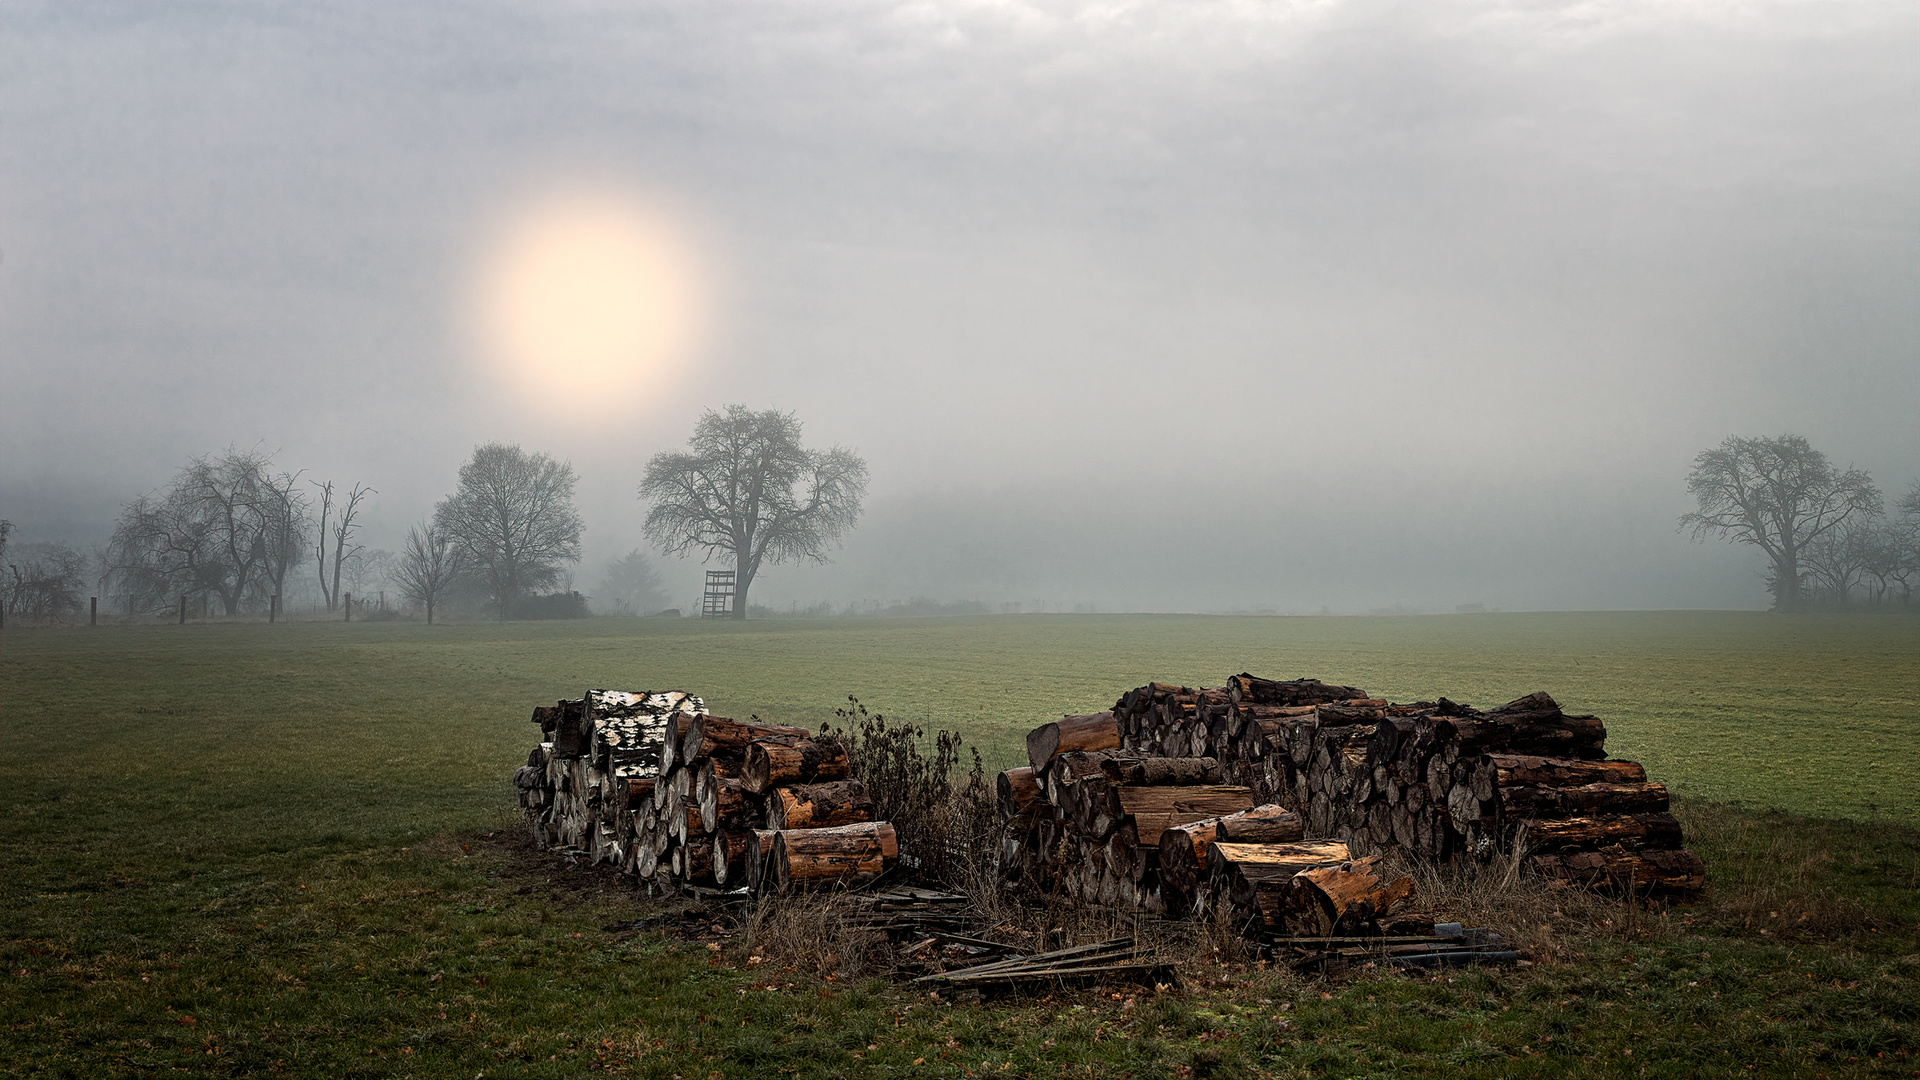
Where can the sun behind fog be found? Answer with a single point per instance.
(589, 298)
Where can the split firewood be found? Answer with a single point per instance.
(1240, 868)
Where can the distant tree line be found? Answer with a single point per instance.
(232, 533)
(1829, 537)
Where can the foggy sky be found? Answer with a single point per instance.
(1155, 306)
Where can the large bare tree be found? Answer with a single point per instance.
(228, 526)
(1780, 495)
(427, 566)
(746, 487)
(512, 520)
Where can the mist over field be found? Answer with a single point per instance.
(1217, 306)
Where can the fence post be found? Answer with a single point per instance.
(347, 606)
(183, 609)
(93, 611)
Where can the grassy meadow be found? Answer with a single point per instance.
(247, 849)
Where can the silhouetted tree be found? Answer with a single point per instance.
(512, 520)
(227, 526)
(43, 581)
(427, 567)
(745, 486)
(338, 524)
(1779, 495)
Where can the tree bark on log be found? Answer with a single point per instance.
(845, 855)
(708, 735)
(1092, 731)
(770, 765)
(731, 848)
(1268, 824)
(726, 804)
(1159, 771)
(1524, 770)
(1535, 802)
(1633, 831)
(1242, 867)
(1652, 871)
(819, 806)
(1528, 726)
(1019, 792)
(759, 858)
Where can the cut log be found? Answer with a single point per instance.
(639, 792)
(671, 736)
(1159, 771)
(1242, 867)
(846, 855)
(709, 735)
(1268, 824)
(819, 806)
(1535, 802)
(1528, 726)
(1252, 690)
(759, 857)
(1648, 871)
(1154, 809)
(1347, 898)
(730, 851)
(1523, 770)
(1183, 861)
(769, 765)
(726, 804)
(696, 862)
(1654, 831)
(1092, 731)
(1019, 792)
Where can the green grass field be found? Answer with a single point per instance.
(297, 836)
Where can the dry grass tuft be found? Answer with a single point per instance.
(811, 934)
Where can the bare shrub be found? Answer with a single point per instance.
(948, 830)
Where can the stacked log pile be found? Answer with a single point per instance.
(683, 800)
(1435, 779)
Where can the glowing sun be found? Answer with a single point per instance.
(589, 298)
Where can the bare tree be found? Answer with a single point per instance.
(227, 526)
(1778, 495)
(284, 520)
(427, 566)
(1898, 567)
(339, 532)
(512, 520)
(1839, 560)
(43, 581)
(745, 486)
